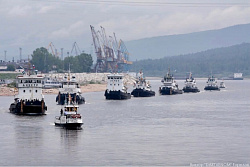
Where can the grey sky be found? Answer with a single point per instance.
(31, 24)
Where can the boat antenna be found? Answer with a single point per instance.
(29, 65)
(69, 74)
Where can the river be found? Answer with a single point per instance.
(205, 127)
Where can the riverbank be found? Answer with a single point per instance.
(7, 91)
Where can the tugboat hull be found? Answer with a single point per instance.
(142, 93)
(70, 125)
(28, 108)
(117, 95)
(169, 91)
(190, 90)
(211, 88)
(69, 121)
(60, 99)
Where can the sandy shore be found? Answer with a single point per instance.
(6, 91)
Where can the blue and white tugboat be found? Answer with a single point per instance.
(116, 90)
(142, 88)
(169, 87)
(70, 86)
(69, 118)
(190, 85)
(30, 100)
(211, 84)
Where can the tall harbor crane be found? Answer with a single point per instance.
(76, 49)
(111, 55)
(53, 49)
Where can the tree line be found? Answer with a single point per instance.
(46, 62)
(221, 62)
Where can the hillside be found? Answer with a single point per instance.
(222, 62)
(172, 45)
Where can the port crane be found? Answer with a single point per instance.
(53, 49)
(111, 55)
(76, 49)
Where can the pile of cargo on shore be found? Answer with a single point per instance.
(90, 82)
(7, 91)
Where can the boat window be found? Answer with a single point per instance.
(21, 81)
(111, 77)
(36, 91)
(23, 91)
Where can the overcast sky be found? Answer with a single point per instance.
(30, 24)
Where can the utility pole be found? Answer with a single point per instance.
(20, 54)
(62, 53)
(62, 57)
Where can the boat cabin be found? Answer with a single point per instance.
(29, 87)
(115, 82)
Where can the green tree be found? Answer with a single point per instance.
(78, 64)
(44, 61)
(11, 67)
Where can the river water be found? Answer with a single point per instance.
(206, 127)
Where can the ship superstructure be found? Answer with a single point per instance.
(69, 116)
(170, 86)
(141, 87)
(190, 85)
(29, 100)
(116, 89)
(211, 84)
(69, 86)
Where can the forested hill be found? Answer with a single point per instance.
(173, 45)
(221, 62)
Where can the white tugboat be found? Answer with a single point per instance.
(190, 85)
(70, 86)
(115, 88)
(222, 84)
(50, 83)
(211, 84)
(169, 87)
(30, 100)
(69, 118)
(142, 88)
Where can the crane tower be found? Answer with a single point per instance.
(111, 55)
